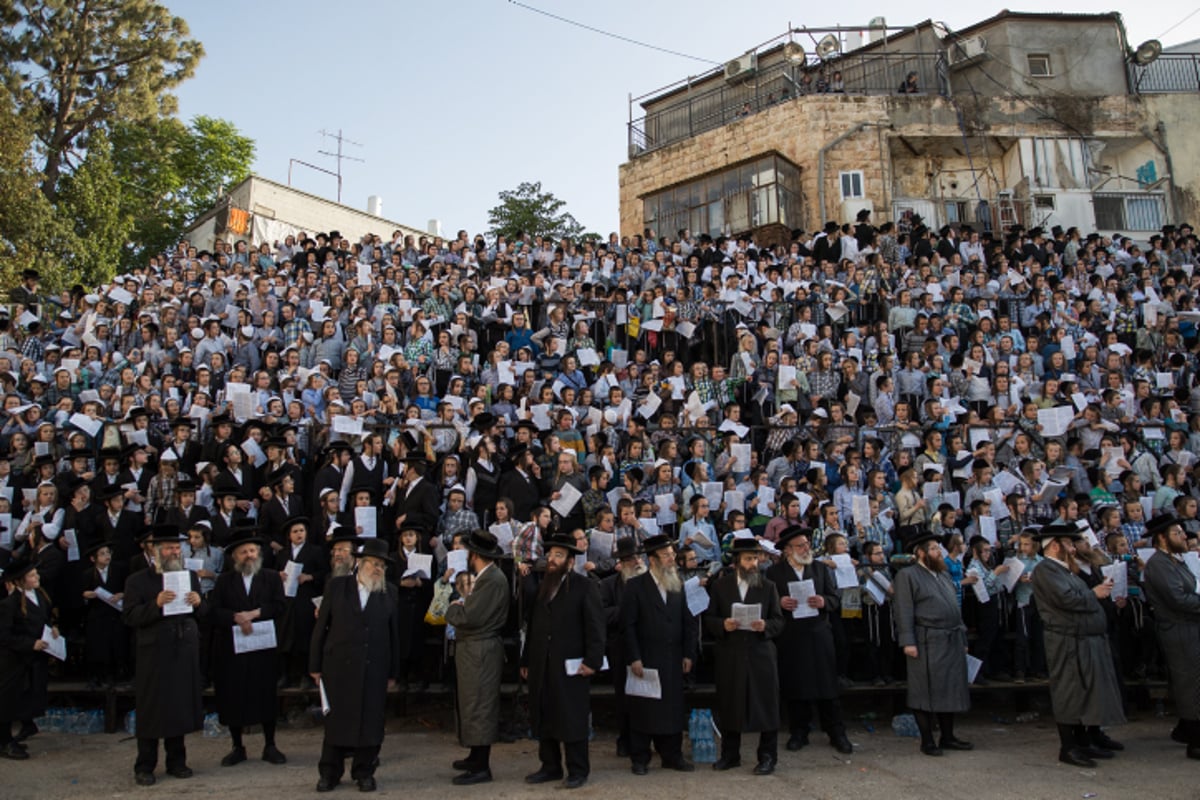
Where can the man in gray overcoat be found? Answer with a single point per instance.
(746, 672)
(1084, 693)
(930, 629)
(1174, 594)
(478, 620)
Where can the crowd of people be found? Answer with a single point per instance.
(855, 455)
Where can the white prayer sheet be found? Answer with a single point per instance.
(121, 295)
(714, 493)
(541, 416)
(664, 515)
(179, 582)
(996, 504)
(600, 545)
(456, 562)
(587, 357)
(366, 518)
(745, 614)
(504, 535)
(72, 540)
(108, 597)
(646, 686)
(1055, 421)
(801, 591)
(852, 403)
(573, 665)
(847, 578)
(973, 665)
(317, 602)
(649, 525)
(505, 374)
(734, 501)
(86, 424)
(700, 539)
(291, 578)
(324, 697)
(261, 637)
(649, 406)
(55, 645)
(6, 535)
(568, 498)
(987, 529)
(805, 501)
(697, 597)
(615, 496)
(730, 425)
(351, 426)
(766, 496)
(877, 594)
(1006, 481)
(193, 564)
(861, 510)
(678, 387)
(1144, 554)
(685, 329)
(741, 457)
(1119, 572)
(619, 357)
(1016, 568)
(880, 579)
(787, 374)
(419, 564)
(931, 492)
(981, 592)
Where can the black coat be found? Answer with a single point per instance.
(414, 602)
(183, 521)
(274, 513)
(522, 490)
(167, 682)
(571, 625)
(105, 636)
(188, 455)
(223, 531)
(122, 537)
(660, 635)
(299, 617)
(612, 589)
(327, 477)
(747, 678)
(245, 682)
(807, 657)
(356, 651)
(24, 673)
(421, 507)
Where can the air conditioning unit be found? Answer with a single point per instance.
(741, 68)
(964, 51)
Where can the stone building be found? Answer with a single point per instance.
(1023, 118)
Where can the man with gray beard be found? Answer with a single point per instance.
(612, 589)
(246, 599)
(659, 633)
(167, 687)
(341, 554)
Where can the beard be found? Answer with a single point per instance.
(551, 581)
(753, 577)
(170, 564)
(373, 584)
(667, 577)
(630, 571)
(801, 561)
(934, 563)
(1071, 561)
(1176, 548)
(341, 568)
(249, 567)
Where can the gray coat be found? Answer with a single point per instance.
(927, 615)
(1171, 590)
(1083, 681)
(479, 657)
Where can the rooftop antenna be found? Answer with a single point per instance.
(339, 155)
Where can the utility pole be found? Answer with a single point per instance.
(339, 155)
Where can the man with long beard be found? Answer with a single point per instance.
(245, 597)
(167, 681)
(355, 657)
(1171, 590)
(564, 624)
(612, 589)
(341, 553)
(1084, 693)
(660, 633)
(930, 629)
(747, 676)
(807, 656)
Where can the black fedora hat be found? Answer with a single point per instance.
(375, 548)
(745, 544)
(1060, 531)
(791, 532)
(243, 536)
(655, 543)
(285, 527)
(627, 547)
(95, 548)
(484, 543)
(565, 541)
(919, 537)
(18, 568)
(163, 533)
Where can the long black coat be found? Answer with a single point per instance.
(1171, 590)
(296, 626)
(105, 636)
(747, 678)
(24, 673)
(245, 682)
(414, 602)
(660, 635)
(523, 490)
(571, 625)
(421, 507)
(167, 683)
(356, 651)
(807, 657)
(612, 589)
(122, 537)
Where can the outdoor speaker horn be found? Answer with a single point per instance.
(828, 47)
(1147, 52)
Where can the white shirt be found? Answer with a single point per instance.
(104, 575)
(246, 581)
(411, 486)
(31, 595)
(661, 591)
(296, 550)
(743, 587)
(363, 594)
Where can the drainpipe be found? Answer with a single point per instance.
(862, 126)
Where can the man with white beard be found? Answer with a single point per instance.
(807, 655)
(659, 633)
(355, 657)
(930, 629)
(341, 553)
(612, 589)
(167, 686)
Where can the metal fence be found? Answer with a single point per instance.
(1171, 72)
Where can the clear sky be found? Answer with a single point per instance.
(454, 101)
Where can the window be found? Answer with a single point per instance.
(1129, 211)
(1039, 65)
(852, 185)
(956, 211)
(1044, 202)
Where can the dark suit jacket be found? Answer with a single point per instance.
(421, 507)
(522, 490)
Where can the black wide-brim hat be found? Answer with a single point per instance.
(375, 548)
(566, 542)
(484, 543)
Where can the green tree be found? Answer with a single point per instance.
(528, 209)
(80, 65)
(91, 200)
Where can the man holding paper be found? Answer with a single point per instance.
(247, 600)
(565, 625)
(1084, 692)
(167, 661)
(24, 664)
(746, 676)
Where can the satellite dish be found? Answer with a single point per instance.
(1147, 52)
(794, 52)
(828, 47)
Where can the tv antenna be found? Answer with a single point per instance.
(339, 155)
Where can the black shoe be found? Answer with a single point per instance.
(14, 752)
(639, 769)
(472, 778)
(271, 755)
(544, 775)
(931, 750)
(682, 765)
(954, 743)
(463, 765)
(1193, 751)
(1100, 739)
(1076, 757)
(766, 765)
(327, 784)
(366, 784)
(143, 778)
(622, 749)
(723, 763)
(1178, 735)
(842, 744)
(235, 756)
(28, 731)
(797, 741)
(1098, 752)
(575, 781)
(181, 772)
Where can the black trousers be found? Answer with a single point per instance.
(768, 744)
(333, 761)
(551, 752)
(829, 713)
(147, 756)
(669, 746)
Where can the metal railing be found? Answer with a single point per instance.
(698, 111)
(1171, 72)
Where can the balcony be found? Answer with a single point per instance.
(1171, 72)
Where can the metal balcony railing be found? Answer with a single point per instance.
(1171, 72)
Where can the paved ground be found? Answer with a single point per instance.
(1012, 760)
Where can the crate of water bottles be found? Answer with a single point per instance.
(701, 734)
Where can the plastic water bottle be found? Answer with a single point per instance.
(212, 727)
(906, 725)
(131, 723)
